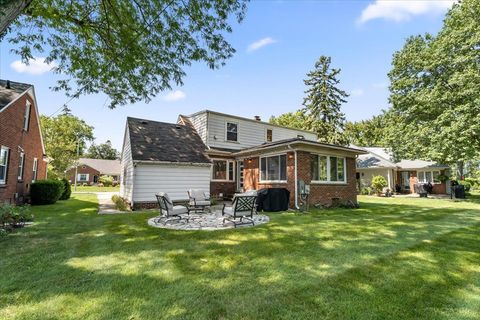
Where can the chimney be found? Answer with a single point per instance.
(8, 84)
(257, 118)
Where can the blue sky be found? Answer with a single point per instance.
(277, 44)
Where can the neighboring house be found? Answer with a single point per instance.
(22, 153)
(90, 170)
(224, 154)
(405, 173)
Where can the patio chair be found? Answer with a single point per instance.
(169, 212)
(199, 200)
(241, 211)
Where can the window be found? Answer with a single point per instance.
(222, 170)
(428, 176)
(35, 168)
(327, 168)
(26, 117)
(273, 168)
(21, 163)
(269, 135)
(82, 177)
(232, 131)
(3, 164)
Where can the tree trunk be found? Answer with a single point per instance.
(9, 11)
(460, 169)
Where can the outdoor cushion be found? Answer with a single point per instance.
(179, 210)
(229, 211)
(197, 194)
(201, 203)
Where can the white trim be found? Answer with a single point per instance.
(425, 176)
(21, 166)
(87, 175)
(266, 134)
(329, 181)
(228, 162)
(7, 149)
(226, 133)
(26, 116)
(271, 156)
(34, 169)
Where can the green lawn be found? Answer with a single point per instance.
(96, 189)
(391, 259)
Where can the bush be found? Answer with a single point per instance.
(120, 203)
(14, 216)
(378, 183)
(67, 190)
(466, 184)
(46, 191)
(366, 191)
(107, 181)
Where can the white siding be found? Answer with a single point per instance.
(250, 133)
(172, 179)
(126, 189)
(366, 176)
(199, 122)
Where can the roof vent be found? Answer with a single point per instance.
(144, 122)
(300, 136)
(178, 126)
(8, 84)
(257, 118)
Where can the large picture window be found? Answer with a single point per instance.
(428, 176)
(273, 168)
(327, 168)
(3, 165)
(232, 131)
(223, 170)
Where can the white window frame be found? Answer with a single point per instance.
(26, 116)
(21, 166)
(83, 174)
(228, 164)
(226, 131)
(271, 156)
(329, 178)
(424, 180)
(7, 153)
(266, 134)
(35, 169)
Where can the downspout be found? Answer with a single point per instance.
(296, 177)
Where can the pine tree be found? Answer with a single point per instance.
(323, 101)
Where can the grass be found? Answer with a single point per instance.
(391, 259)
(96, 189)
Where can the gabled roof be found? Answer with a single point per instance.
(8, 95)
(165, 142)
(420, 164)
(111, 167)
(382, 158)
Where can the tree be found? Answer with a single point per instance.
(366, 133)
(129, 50)
(435, 91)
(102, 151)
(296, 120)
(61, 135)
(323, 101)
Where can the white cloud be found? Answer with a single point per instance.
(35, 66)
(260, 43)
(403, 10)
(175, 96)
(357, 92)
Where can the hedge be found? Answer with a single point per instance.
(46, 191)
(67, 190)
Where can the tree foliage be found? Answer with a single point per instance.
(367, 133)
(129, 50)
(435, 91)
(323, 102)
(296, 120)
(60, 135)
(102, 151)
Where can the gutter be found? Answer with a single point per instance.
(203, 164)
(296, 177)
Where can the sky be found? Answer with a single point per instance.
(277, 44)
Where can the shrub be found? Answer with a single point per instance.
(120, 203)
(46, 191)
(466, 184)
(114, 183)
(378, 183)
(67, 190)
(106, 180)
(366, 191)
(14, 216)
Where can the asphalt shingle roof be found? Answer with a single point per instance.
(8, 95)
(166, 142)
(112, 167)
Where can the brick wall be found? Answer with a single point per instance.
(83, 169)
(13, 136)
(227, 188)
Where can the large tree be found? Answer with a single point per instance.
(102, 151)
(62, 135)
(129, 50)
(322, 104)
(296, 120)
(435, 91)
(367, 133)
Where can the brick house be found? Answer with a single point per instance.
(225, 154)
(90, 170)
(22, 153)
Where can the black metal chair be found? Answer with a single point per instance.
(243, 207)
(198, 200)
(169, 212)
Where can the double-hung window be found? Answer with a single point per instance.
(232, 131)
(327, 168)
(223, 170)
(26, 116)
(273, 168)
(428, 176)
(21, 165)
(35, 169)
(83, 177)
(4, 151)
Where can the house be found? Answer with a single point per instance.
(22, 153)
(90, 170)
(224, 154)
(404, 174)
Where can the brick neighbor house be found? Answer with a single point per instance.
(22, 153)
(225, 154)
(90, 170)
